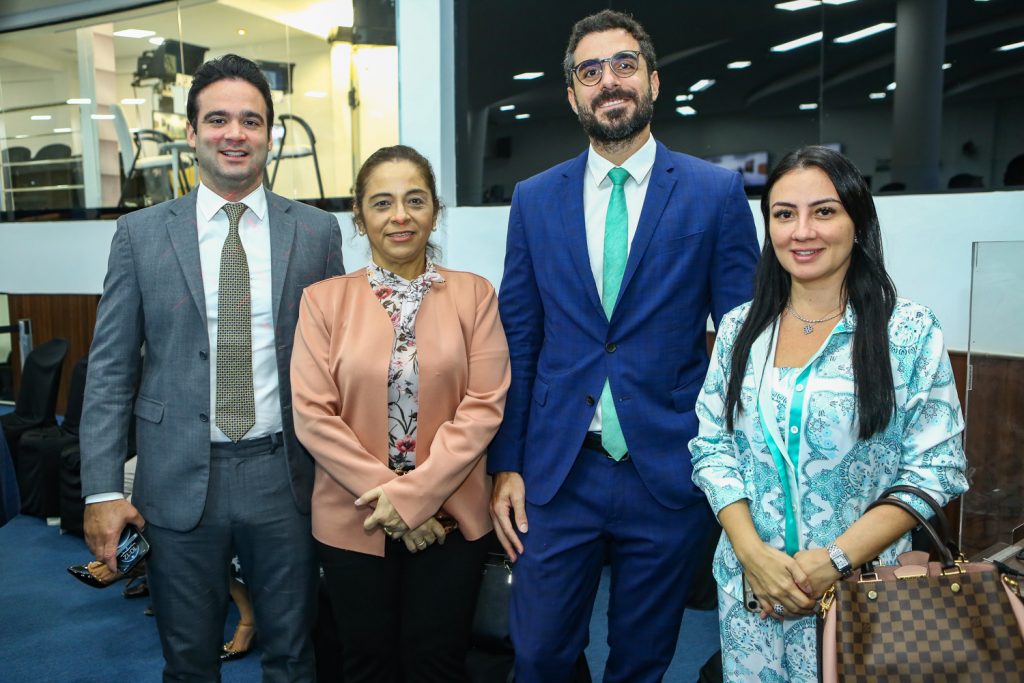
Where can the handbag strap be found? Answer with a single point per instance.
(941, 547)
(939, 520)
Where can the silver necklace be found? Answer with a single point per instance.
(809, 324)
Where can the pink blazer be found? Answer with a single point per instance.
(339, 370)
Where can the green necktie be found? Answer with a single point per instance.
(616, 238)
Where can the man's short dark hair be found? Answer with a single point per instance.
(608, 20)
(228, 67)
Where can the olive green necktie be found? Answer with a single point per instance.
(616, 238)
(236, 406)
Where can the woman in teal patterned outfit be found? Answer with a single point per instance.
(823, 391)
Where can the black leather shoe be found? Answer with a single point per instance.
(82, 573)
(231, 655)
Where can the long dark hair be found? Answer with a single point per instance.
(867, 287)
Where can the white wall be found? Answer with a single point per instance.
(928, 242)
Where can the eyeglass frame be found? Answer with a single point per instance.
(636, 54)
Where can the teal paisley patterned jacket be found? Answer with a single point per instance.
(829, 473)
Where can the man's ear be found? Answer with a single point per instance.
(190, 134)
(571, 95)
(655, 85)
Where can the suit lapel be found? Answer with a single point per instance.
(184, 236)
(659, 190)
(574, 224)
(282, 235)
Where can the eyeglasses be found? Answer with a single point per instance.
(624, 64)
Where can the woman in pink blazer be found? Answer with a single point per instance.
(399, 375)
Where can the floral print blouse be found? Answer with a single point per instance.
(401, 300)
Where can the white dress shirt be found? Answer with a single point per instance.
(597, 191)
(254, 231)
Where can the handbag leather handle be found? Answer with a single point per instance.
(945, 555)
(939, 519)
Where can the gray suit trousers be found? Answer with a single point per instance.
(249, 512)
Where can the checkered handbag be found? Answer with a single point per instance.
(921, 621)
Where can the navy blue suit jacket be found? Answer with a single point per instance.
(693, 255)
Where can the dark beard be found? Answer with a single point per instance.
(621, 129)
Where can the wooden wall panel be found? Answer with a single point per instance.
(72, 316)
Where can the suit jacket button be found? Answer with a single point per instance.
(203, 417)
(590, 400)
(202, 355)
(610, 347)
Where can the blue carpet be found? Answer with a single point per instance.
(52, 628)
(55, 629)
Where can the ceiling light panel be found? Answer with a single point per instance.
(877, 96)
(522, 117)
(799, 42)
(1011, 46)
(528, 75)
(795, 5)
(741, 64)
(507, 107)
(808, 106)
(686, 110)
(702, 85)
(865, 32)
(134, 33)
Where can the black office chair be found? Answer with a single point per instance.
(280, 151)
(40, 449)
(37, 397)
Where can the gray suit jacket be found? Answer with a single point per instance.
(153, 295)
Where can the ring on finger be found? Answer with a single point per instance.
(779, 609)
(388, 530)
(421, 545)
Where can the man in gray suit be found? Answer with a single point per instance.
(209, 285)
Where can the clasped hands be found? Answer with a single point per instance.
(386, 517)
(796, 583)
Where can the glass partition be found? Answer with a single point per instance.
(92, 112)
(994, 506)
(923, 95)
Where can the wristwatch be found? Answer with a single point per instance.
(839, 560)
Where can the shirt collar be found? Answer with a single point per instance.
(209, 202)
(638, 165)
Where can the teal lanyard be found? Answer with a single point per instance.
(796, 412)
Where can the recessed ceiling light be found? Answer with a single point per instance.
(134, 33)
(877, 96)
(891, 86)
(522, 117)
(1011, 46)
(158, 40)
(79, 100)
(507, 107)
(742, 64)
(317, 94)
(528, 75)
(837, 2)
(799, 42)
(133, 100)
(684, 98)
(241, 31)
(808, 106)
(794, 5)
(40, 117)
(686, 110)
(702, 84)
(946, 66)
(61, 130)
(102, 117)
(865, 32)
(19, 137)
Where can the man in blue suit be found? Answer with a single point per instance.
(615, 260)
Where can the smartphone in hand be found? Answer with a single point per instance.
(132, 548)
